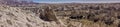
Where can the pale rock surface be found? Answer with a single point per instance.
(15, 17)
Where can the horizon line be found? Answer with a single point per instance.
(84, 2)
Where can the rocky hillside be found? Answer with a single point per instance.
(81, 15)
(15, 17)
(59, 15)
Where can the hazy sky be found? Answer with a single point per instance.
(76, 1)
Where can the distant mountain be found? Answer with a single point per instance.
(17, 3)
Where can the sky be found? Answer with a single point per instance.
(76, 1)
